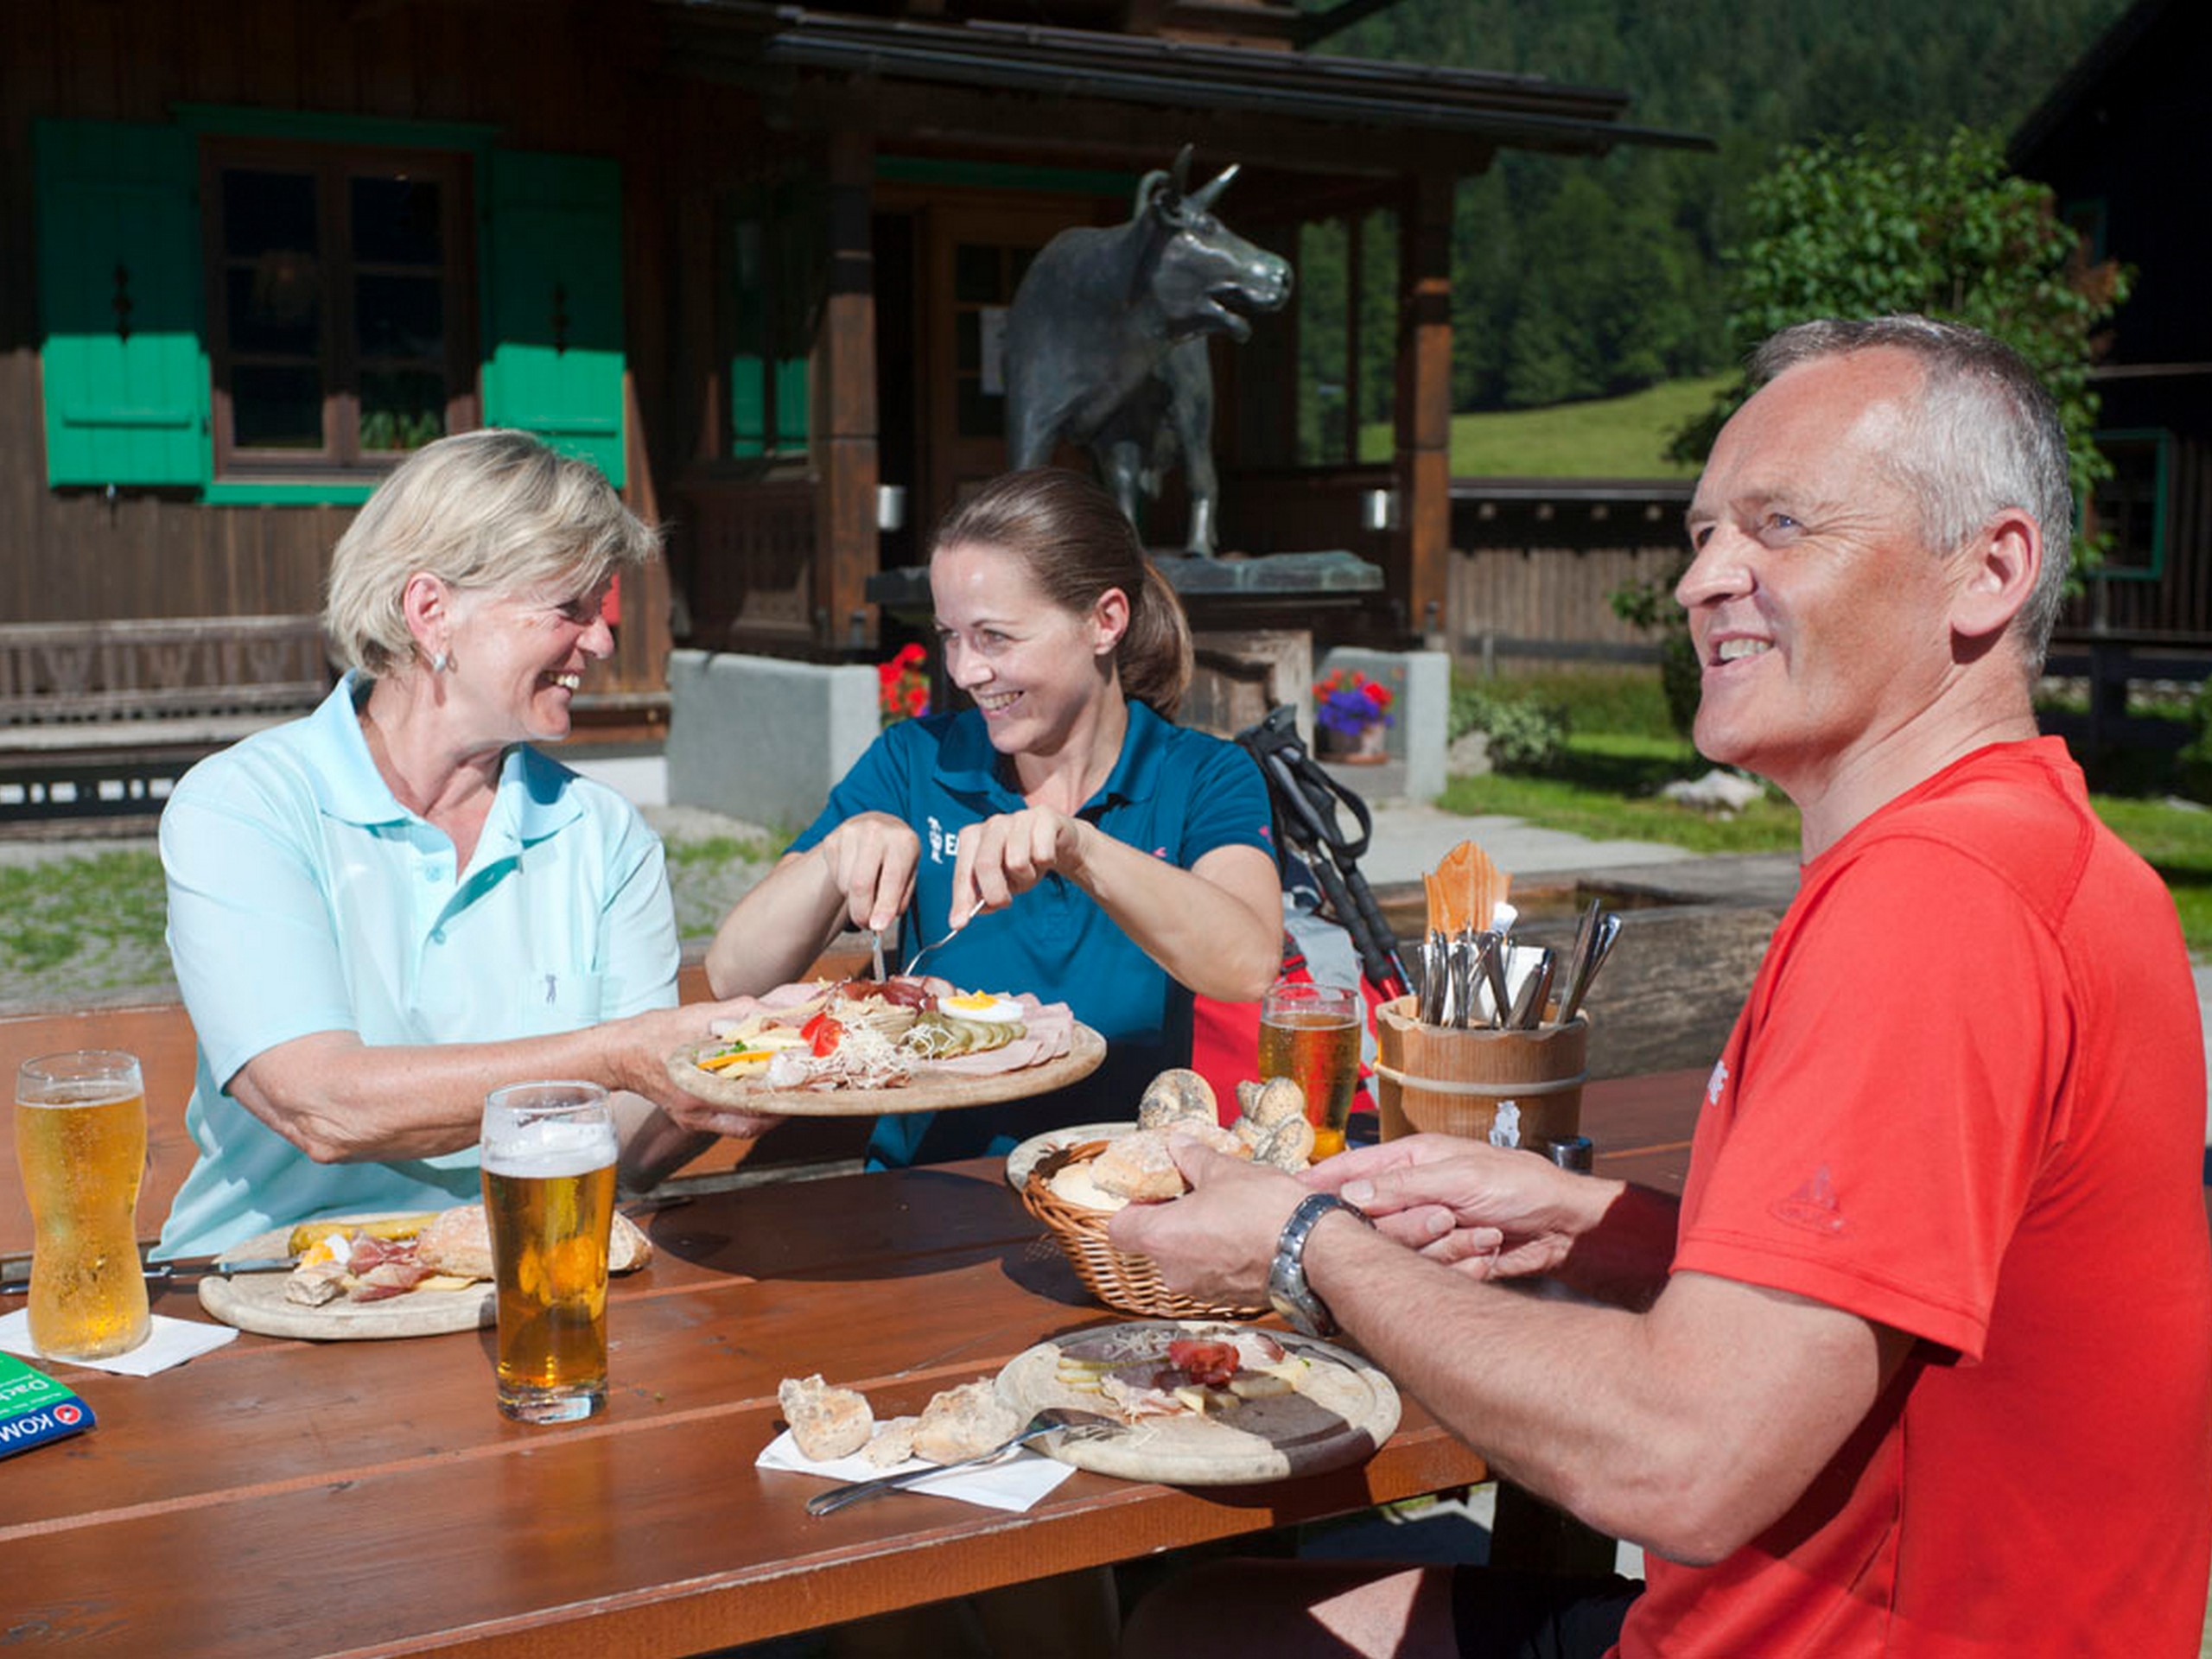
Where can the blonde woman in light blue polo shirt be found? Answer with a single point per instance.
(381, 912)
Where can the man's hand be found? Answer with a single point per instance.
(1217, 1240)
(1487, 1211)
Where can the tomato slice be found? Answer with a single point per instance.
(823, 1035)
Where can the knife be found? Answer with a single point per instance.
(13, 1285)
(875, 952)
(255, 1264)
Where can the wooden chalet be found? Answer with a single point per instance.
(745, 257)
(2106, 140)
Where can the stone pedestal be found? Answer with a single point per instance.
(762, 739)
(1421, 709)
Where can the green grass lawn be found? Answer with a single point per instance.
(94, 924)
(1607, 437)
(1621, 751)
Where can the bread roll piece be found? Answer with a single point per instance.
(826, 1422)
(1288, 1145)
(459, 1242)
(965, 1422)
(1076, 1184)
(892, 1443)
(1176, 1097)
(1276, 1100)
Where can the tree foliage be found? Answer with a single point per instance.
(1576, 278)
(1878, 224)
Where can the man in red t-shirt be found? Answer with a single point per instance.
(1922, 1363)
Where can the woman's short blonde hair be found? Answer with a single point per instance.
(491, 511)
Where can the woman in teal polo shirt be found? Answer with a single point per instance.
(1072, 840)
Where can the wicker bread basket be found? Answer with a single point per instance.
(1130, 1283)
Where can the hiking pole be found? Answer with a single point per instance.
(1305, 799)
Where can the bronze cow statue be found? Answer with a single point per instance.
(1106, 341)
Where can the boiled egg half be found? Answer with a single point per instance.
(984, 1007)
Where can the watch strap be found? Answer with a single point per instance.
(1288, 1291)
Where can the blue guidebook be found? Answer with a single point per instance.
(35, 1408)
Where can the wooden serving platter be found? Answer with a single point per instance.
(1343, 1410)
(255, 1302)
(923, 1093)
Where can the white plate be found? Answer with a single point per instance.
(1023, 1157)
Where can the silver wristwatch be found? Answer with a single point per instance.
(1287, 1291)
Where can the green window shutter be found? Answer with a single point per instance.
(748, 382)
(553, 302)
(791, 404)
(118, 272)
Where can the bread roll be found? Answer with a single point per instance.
(1175, 1097)
(965, 1422)
(826, 1422)
(1138, 1168)
(459, 1241)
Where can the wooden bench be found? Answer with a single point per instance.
(97, 720)
(160, 1035)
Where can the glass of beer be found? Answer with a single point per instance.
(80, 1143)
(1310, 1033)
(548, 1160)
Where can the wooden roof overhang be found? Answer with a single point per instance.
(1321, 136)
(1065, 91)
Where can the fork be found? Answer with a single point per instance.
(1073, 1426)
(907, 971)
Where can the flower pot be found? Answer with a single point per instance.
(1368, 746)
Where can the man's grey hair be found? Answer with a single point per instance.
(1984, 437)
(491, 511)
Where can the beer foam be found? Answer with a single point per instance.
(95, 1092)
(548, 1148)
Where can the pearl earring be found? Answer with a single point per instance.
(440, 663)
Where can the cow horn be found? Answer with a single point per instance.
(1182, 171)
(1205, 200)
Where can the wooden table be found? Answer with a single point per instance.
(298, 1498)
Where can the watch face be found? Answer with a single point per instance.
(1292, 1300)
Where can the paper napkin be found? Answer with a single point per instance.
(1016, 1484)
(171, 1342)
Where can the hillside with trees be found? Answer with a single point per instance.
(1577, 279)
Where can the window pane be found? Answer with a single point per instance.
(2126, 506)
(402, 409)
(276, 408)
(975, 274)
(267, 213)
(399, 316)
(275, 305)
(968, 342)
(397, 222)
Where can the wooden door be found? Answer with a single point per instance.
(972, 257)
